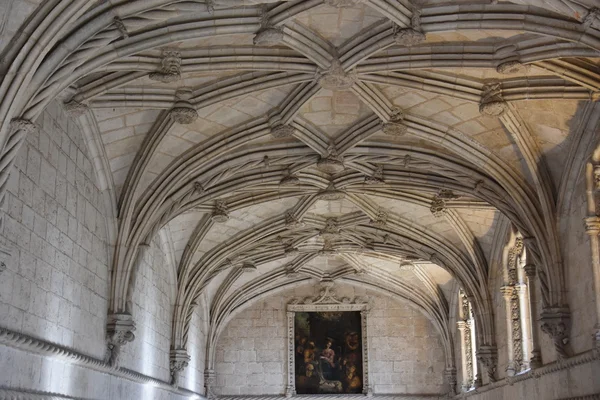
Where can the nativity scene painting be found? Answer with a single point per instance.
(328, 352)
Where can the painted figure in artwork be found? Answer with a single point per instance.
(328, 356)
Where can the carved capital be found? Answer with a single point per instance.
(592, 225)
(335, 78)
(556, 323)
(269, 36)
(220, 212)
(178, 361)
(119, 331)
(507, 292)
(183, 112)
(170, 68)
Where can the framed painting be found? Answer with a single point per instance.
(327, 346)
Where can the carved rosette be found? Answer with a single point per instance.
(75, 108)
(331, 193)
(488, 358)
(178, 361)
(183, 112)
(333, 163)
(335, 78)
(220, 212)
(511, 67)
(119, 331)
(269, 36)
(170, 69)
(492, 103)
(555, 323)
(281, 131)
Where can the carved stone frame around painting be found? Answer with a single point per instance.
(324, 302)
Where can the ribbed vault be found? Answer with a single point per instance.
(382, 151)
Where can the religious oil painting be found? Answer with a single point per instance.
(328, 352)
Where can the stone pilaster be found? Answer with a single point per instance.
(592, 227)
(536, 354)
(488, 359)
(210, 381)
(556, 323)
(178, 361)
(450, 376)
(119, 331)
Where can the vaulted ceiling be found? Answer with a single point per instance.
(381, 142)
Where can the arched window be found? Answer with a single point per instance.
(466, 328)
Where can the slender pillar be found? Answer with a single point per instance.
(521, 290)
(536, 354)
(507, 293)
(592, 225)
(466, 383)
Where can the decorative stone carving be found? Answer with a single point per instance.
(210, 381)
(281, 131)
(331, 230)
(511, 67)
(288, 248)
(328, 249)
(335, 78)
(591, 19)
(488, 358)
(178, 361)
(269, 36)
(333, 163)
(555, 323)
(343, 3)
(75, 108)
(119, 331)
(331, 193)
(438, 207)
(248, 266)
(406, 265)
(23, 124)
(290, 272)
(377, 177)
(395, 127)
(183, 112)
(380, 219)
(411, 36)
(170, 69)
(447, 194)
(291, 222)
(290, 180)
(121, 27)
(465, 325)
(492, 103)
(220, 212)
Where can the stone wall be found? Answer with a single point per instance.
(406, 355)
(56, 283)
(152, 311)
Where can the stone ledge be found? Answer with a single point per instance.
(41, 347)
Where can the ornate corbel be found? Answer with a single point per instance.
(220, 212)
(411, 36)
(119, 331)
(183, 112)
(178, 361)
(556, 323)
(492, 103)
(170, 69)
(210, 381)
(335, 78)
(488, 358)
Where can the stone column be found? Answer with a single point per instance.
(466, 385)
(525, 326)
(592, 225)
(178, 361)
(507, 293)
(536, 354)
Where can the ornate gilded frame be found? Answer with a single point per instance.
(327, 301)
